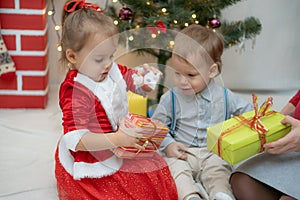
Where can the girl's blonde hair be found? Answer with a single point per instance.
(196, 40)
(80, 25)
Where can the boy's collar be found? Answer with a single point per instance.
(207, 92)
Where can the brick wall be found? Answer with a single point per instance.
(24, 31)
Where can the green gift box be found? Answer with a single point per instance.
(234, 140)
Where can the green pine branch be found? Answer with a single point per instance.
(178, 14)
(235, 32)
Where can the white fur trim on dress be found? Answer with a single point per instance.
(81, 169)
(72, 138)
(98, 169)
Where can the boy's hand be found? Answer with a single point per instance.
(177, 150)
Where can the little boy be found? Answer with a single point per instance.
(196, 103)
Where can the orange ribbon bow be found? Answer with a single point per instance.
(253, 122)
(75, 5)
(256, 124)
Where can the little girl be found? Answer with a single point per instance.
(93, 101)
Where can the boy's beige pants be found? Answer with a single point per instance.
(203, 173)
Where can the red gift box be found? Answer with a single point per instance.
(154, 132)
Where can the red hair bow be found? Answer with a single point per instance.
(71, 6)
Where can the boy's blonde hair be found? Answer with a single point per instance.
(196, 40)
(80, 25)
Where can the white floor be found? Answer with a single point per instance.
(28, 139)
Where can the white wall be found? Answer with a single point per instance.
(273, 63)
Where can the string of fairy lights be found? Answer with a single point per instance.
(213, 23)
(57, 27)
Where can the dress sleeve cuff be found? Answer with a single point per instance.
(72, 138)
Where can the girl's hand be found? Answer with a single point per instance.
(128, 140)
(290, 142)
(142, 70)
(128, 136)
(177, 150)
(150, 76)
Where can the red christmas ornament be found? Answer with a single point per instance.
(214, 22)
(125, 14)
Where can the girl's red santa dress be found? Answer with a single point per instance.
(97, 107)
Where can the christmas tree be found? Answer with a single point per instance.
(147, 24)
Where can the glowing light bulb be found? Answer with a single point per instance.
(172, 43)
(130, 38)
(148, 3)
(57, 27)
(116, 22)
(164, 10)
(194, 16)
(186, 24)
(175, 21)
(153, 35)
(50, 12)
(59, 48)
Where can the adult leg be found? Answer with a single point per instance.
(246, 188)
